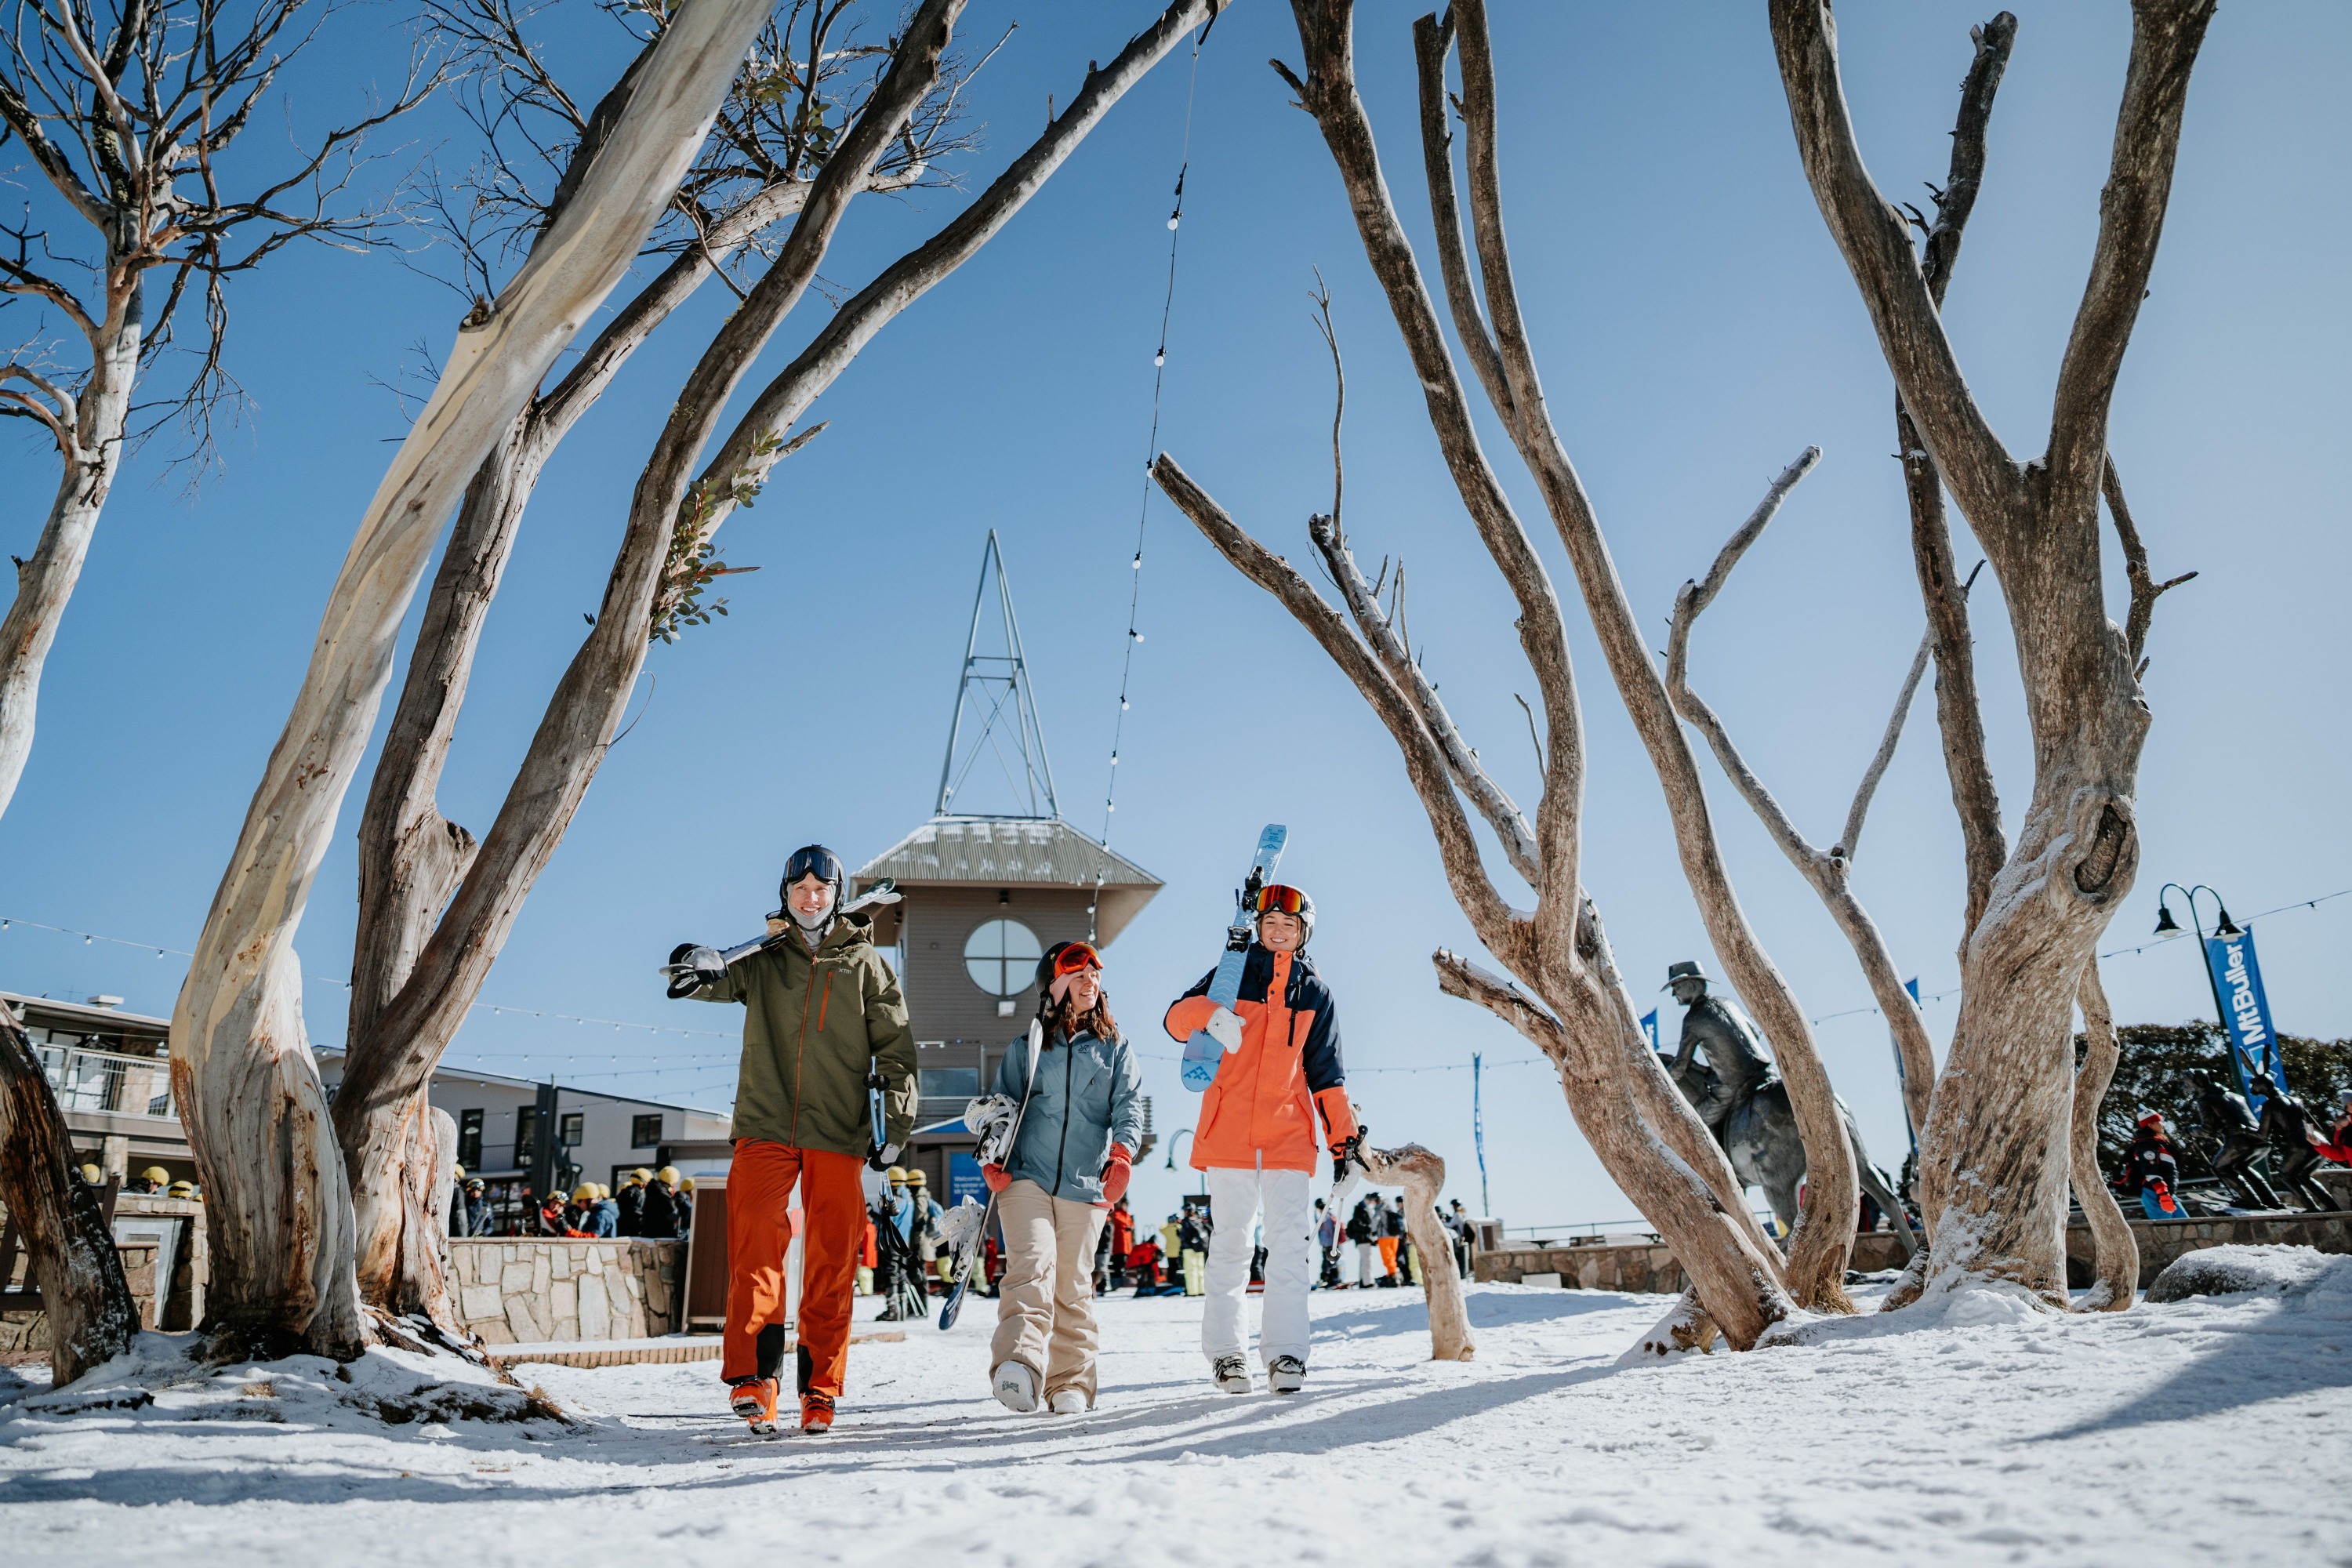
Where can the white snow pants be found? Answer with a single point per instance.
(1235, 1197)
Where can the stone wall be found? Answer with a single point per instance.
(518, 1290)
(1649, 1266)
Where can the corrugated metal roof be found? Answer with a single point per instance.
(1001, 851)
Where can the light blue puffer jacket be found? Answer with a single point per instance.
(1088, 1096)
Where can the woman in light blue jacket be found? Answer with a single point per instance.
(1082, 1119)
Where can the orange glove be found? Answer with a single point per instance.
(1339, 1127)
(1114, 1175)
(996, 1176)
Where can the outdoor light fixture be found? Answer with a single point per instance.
(1187, 1132)
(2164, 923)
(2226, 927)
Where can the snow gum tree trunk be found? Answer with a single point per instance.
(1994, 1157)
(1421, 1174)
(92, 1315)
(2115, 1255)
(89, 443)
(282, 1228)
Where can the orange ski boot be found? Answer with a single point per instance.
(816, 1414)
(754, 1399)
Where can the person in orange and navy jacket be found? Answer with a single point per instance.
(1256, 1138)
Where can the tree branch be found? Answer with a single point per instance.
(2165, 38)
(1875, 241)
(1825, 1228)
(1501, 928)
(2145, 589)
(1330, 94)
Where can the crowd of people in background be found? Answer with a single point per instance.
(654, 1205)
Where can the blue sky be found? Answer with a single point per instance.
(1696, 329)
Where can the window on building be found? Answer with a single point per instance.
(1001, 956)
(526, 1135)
(949, 1083)
(645, 1132)
(470, 1140)
(568, 1128)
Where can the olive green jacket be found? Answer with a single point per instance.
(814, 1026)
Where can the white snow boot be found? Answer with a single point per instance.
(1068, 1402)
(1286, 1374)
(1015, 1387)
(1231, 1374)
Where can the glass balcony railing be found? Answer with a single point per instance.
(101, 1080)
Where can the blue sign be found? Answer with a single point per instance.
(964, 1179)
(2245, 1011)
(1650, 1027)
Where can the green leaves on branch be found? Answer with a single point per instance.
(693, 564)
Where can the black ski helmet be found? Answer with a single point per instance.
(811, 861)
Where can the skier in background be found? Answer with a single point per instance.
(631, 1200)
(1327, 1247)
(1256, 1138)
(1363, 1233)
(822, 1014)
(2151, 1169)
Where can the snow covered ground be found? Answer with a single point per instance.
(2213, 1430)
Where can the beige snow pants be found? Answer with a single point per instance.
(1046, 1301)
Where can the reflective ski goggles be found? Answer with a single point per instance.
(816, 861)
(1276, 898)
(1077, 955)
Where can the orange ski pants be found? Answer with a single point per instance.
(759, 1231)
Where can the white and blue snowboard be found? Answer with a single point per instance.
(1202, 1052)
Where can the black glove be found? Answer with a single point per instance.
(693, 966)
(882, 1159)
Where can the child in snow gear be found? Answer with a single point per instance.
(821, 1014)
(1256, 1137)
(1081, 1093)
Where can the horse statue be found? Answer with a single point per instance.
(2296, 1136)
(1744, 1104)
(2225, 1115)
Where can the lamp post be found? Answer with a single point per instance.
(2224, 928)
(1172, 1146)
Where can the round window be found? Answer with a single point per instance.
(1001, 956)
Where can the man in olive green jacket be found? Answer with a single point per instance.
(823, 1021)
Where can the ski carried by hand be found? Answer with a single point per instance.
(681, 970)
(966, 1236)
(1202, 1052)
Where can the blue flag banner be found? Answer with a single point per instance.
(1650, 1027)
(2245, 1010)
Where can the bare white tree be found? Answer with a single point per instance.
(1995, 1155)
(128, 114)
(663, 559)
(277, 1200)
(788, 117)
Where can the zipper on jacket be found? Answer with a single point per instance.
(1069, 1074)
(800, 1055)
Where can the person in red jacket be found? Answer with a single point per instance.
(1256, 1141)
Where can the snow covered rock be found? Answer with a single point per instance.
(2235, 1271)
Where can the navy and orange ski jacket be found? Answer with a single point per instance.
(1260, 1112)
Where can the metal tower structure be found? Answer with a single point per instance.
(1008, 710)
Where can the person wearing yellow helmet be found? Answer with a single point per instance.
(663, 1216)
(629, 1217)
(184, 1190)
(92, 1175)
(153, 1179)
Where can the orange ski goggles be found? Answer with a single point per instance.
(1076, 956)
(1276, 898)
